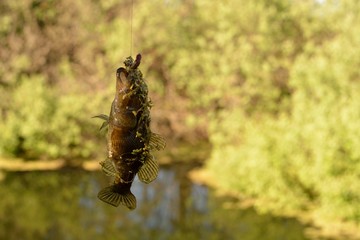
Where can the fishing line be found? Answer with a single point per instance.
(131, 26)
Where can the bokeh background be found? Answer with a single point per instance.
(263, 96)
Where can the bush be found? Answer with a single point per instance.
(305, 153)
(39, 124)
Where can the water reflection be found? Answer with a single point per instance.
(63, 205)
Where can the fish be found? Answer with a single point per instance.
(130, 141)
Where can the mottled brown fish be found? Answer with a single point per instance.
(130, 140)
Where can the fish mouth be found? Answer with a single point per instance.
(122, 82)
(121, 75)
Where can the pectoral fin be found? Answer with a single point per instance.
(156, 142)
(104, 126)
(102, 116)
(108, 168)
(114, 198)
(149, 171)
(105, 118)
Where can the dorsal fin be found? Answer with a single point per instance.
(149, 171)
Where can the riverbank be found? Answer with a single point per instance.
(38, 165)
(173, 154)
(20, 165)
(321, 228)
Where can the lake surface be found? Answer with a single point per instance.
(63, 205)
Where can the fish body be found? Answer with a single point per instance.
(129, 138)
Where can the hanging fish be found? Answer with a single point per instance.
(129, 138)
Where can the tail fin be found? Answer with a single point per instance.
(115, 198)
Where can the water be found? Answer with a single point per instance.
(63, 205)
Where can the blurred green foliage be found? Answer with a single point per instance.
(273, 85)
(292, 144)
